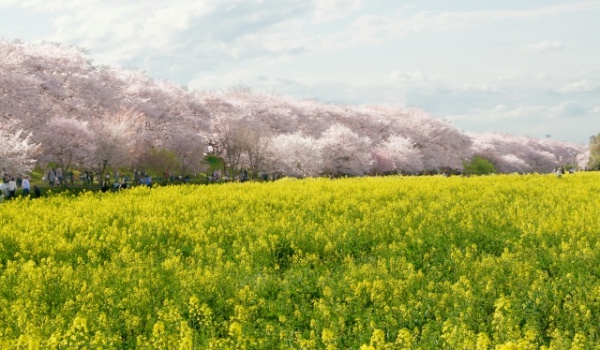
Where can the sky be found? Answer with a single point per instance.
(526, 68)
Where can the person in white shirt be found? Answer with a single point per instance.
(25, 186)
(4, 191)
(12, 188)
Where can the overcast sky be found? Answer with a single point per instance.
(520, 67)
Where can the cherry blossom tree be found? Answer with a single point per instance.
(441, 146)
(230, 133)
(257, 150)
(401, 152)
(113, 141)
(188, 149)
(524, 154)
(256, 121)
(167, 111)
(42, 83)
(344, 153)
(20, 100)
(383, 162)
(16, 153)
(66, 142)
(296, 155)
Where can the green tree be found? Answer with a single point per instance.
(594, 151)
(479, 166)
(158, 161)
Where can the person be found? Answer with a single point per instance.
(4, 189)
(136, 177)
(558, 172)
(104, 187)
(148, 181)
(59, 177)
(12, 188)
(25, 186)
(51, 177)
(36, 191)
(124, 185)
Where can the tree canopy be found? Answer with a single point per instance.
(594, 153)
(64, 110)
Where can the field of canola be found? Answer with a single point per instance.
(500, 262)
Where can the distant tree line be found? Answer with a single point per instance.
(58, 109)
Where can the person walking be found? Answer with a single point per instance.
(3, 191)
(51, 177)
(25, 186)
(12, 188)
(59, 177)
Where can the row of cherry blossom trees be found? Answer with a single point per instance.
(57, 108)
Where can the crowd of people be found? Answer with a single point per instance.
(9, 186)
(54, 178)
(559, 171)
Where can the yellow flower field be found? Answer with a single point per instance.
(499, 262)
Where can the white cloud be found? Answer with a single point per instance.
(461, 118)
(136, 27)
(554, 10)
(486, 88)
(543, 76)
(416, 77)
(122, 31)
(516, 112)
(251, 78)
(328, 10)
(375, 28)
(48, 6)
(580, 86)
(210, 32)
(544, 46)
(595, 109)
(530, 120)
(569, 109)
(563, 109)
